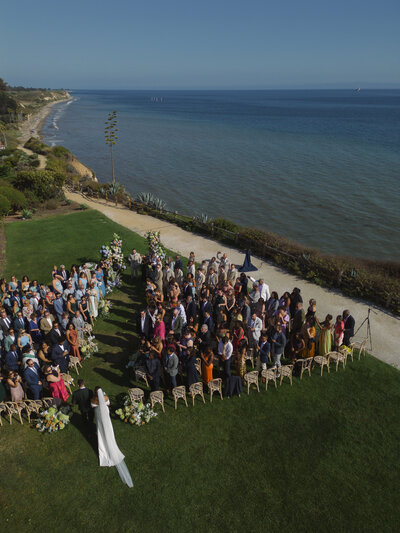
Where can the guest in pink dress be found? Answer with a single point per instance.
(56, 383)
(338, 332)
(159, 329)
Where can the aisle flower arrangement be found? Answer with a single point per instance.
(104, 307)
(135, 413)
(154, 243)
(112, 254)
(89, 347)
(52, 420)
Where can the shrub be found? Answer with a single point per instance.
(26, 214)
(16, 198)
(61, 151)
(223, 223)
(5, 206)
(83, 207)
(51, 204)
(37, 146)
(43, 183)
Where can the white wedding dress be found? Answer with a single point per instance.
(109, 453)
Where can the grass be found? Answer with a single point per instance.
(321, 455)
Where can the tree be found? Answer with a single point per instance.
(111, 138)
(3, 85)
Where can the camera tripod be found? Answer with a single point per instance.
(368, 321)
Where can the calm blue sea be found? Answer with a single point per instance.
(320, 167)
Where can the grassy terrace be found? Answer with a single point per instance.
(321, 455)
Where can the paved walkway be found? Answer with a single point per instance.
(384, 326)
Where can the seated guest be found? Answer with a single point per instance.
(56, 383)
(59, 355)
(32, 378)
(11, 360)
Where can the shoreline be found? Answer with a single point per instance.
(36, 121)
(384, 326)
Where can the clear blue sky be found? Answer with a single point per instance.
(131, 44)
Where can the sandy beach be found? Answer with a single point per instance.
(384, 326)
(33, 125)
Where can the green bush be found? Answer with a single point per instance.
(61, 151)
(51, 204)
(43, 183)
(26, 214)
(5, 206)
(223, 223)
(37, 146)
(16, 198)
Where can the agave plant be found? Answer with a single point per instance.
(150, 200)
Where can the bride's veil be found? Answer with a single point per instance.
(105, 428)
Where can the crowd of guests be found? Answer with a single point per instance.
(41, 326)
(218, 314)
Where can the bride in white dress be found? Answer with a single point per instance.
(109, 453)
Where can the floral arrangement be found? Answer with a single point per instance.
(112, 255)
(52, 420)
(135, 413)
(154, 242)
(89, 347)
(104, 307)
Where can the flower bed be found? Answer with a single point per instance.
(135, 413)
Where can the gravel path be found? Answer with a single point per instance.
(384, 326)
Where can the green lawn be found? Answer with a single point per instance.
(322, 455)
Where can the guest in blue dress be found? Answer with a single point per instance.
(100, 280)
(34, 329)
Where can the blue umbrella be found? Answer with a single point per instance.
(247, 265)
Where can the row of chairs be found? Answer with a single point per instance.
(250, 378)
(29, 406)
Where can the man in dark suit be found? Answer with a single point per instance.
(33, 378)
(59, 355)
(298, 319)
(19, 323)
(55, 333)
(143, 324)
(246, 312)
(208, 321)
(349, 324)
(11, 359)
(16, 298)
(63, 273)
(5, 323)
(191, 309)
(81, 398)
(205, 307)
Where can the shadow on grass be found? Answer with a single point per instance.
(88, 431)
(118, 379)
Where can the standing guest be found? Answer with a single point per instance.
(176, 323)
(14, 381)
(295, 347)
(158, 278)
(32, 378)
(338, 332)
(159, 328)
(171, 366)
(5, 323)
(64, 322)
(207, 358)
(59, 355)
(208, 321)
(81, 398)
(191, 308)
(309, 334)
(295, 298)
(57, 285)
(25, 284)
(298, 319)
(232, 274)
(46, 323)
(237, 336)
(72, 338)
(325, 336)
(24, 339)
(74, 274)
(199, 279)
(71, 306)
(10, 340)
(59, 306)
(93, 303)
(11, 360)
(55, 334)
(246, 312)
(84, 309)
(27, 308)
(349, 324)
(34, 329)
(142, 324)
(254, 327)
(79, 324)
(225, 351)
(153, 368)
(19, 323)
(100, 280)
(178, 263)
(278, 343)
(135, 260)
(44, 354)
(192, 375)
(56, 383)
(63, 274)
(264, 351)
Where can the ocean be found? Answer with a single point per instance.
(320, 167)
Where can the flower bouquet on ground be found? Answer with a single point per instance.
(52, 420)
(104, 307)
(88, 348)
(135, 413)
(154, 242)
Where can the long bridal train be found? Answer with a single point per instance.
(109, 453)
